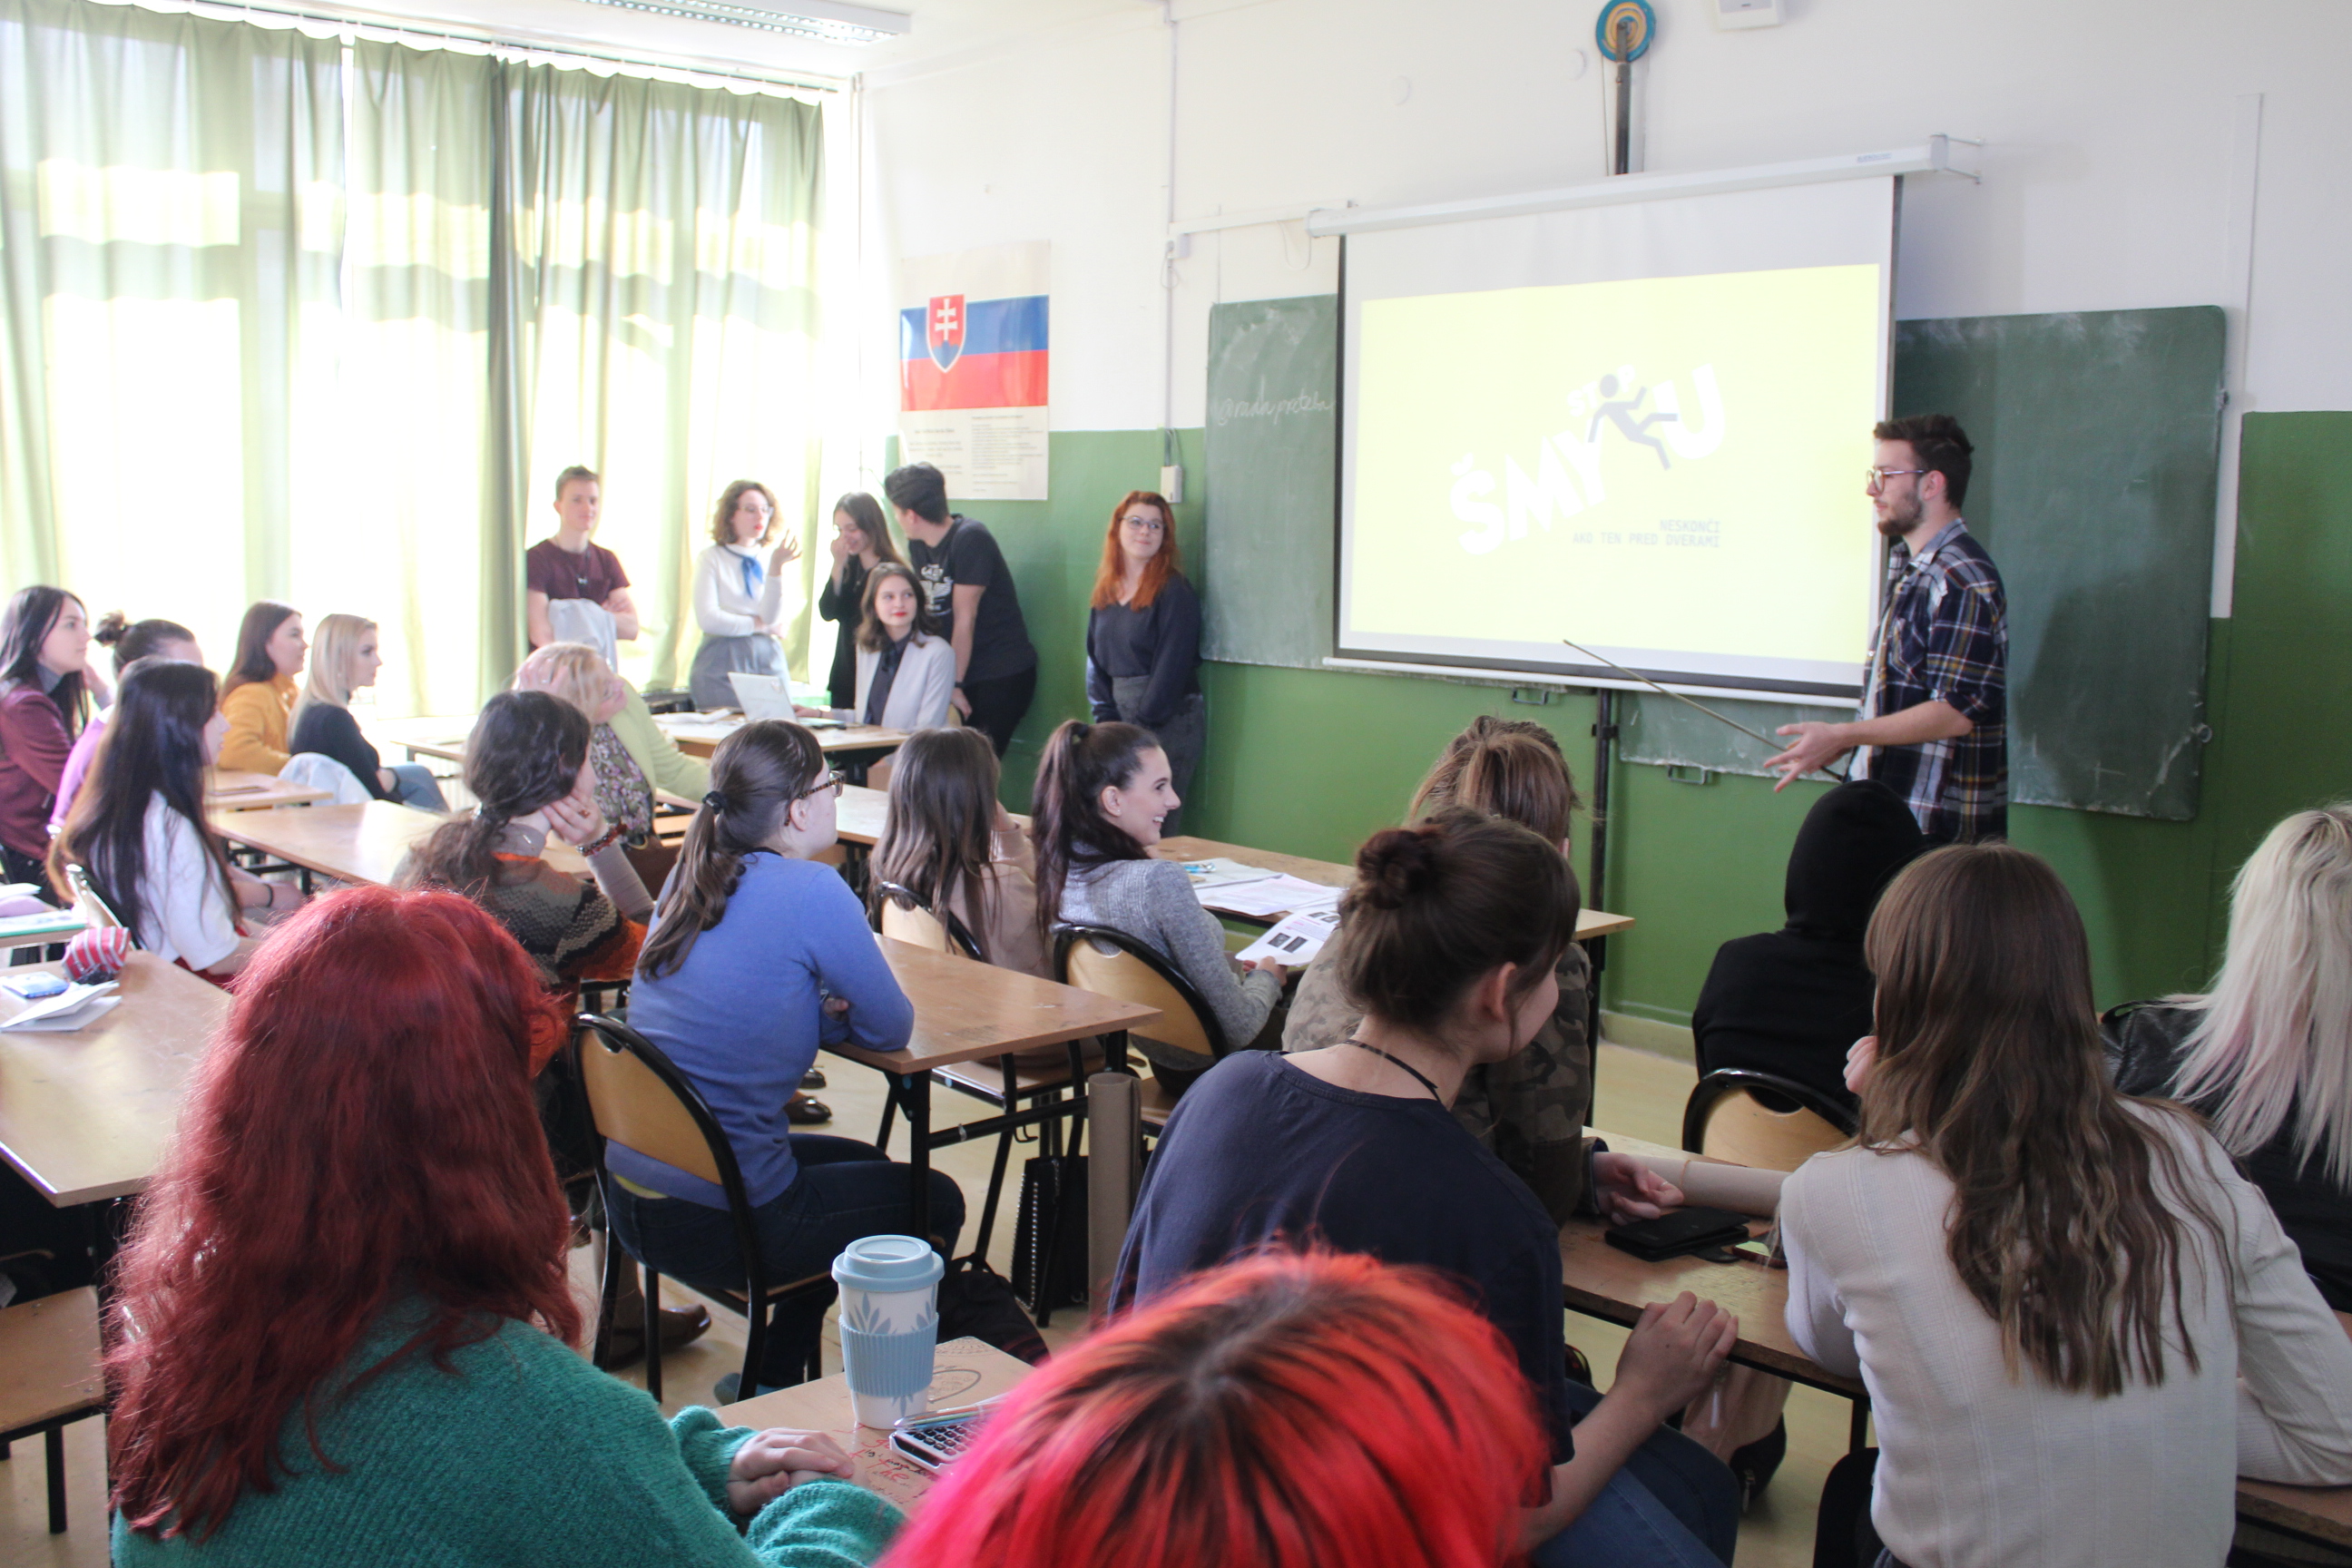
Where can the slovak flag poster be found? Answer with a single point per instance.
(972, 356)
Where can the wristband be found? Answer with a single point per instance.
(614, 833)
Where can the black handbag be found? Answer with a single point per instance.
(1049, 1240)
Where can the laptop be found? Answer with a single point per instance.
(769, 697)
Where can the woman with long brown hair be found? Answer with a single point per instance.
(2078, 1323)
(861, 541)
(258, 694)
(1143, 636)
(342, 1328)
(758, 954)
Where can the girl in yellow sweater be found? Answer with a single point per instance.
(259, 693)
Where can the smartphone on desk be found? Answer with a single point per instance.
(33, 987)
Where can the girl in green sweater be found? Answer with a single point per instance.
(343, 1327)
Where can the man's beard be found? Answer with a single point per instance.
(1900, 520)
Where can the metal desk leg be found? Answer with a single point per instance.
(917, 1089)
(1115, 1051)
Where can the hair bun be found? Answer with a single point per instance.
(109, 629)
(1396, 864)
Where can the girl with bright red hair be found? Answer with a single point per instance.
(343, 1329)
(1291, 1410)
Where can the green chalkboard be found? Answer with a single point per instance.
(1271, 448)
(2097, 441)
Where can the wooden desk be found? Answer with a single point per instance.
(85, 1116)
(699, 734)
(361, 843)
(1590, 924)
(2323, 1514)
(964, 1372)
(967, 1011)
(229, 790)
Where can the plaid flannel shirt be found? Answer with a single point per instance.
(1944, 636)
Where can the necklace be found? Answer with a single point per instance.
(1406, 1067)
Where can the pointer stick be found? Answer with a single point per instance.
(1678, 696)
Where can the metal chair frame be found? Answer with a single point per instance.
(760, 1298)
(1008, 1095)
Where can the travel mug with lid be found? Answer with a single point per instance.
(889, 1325)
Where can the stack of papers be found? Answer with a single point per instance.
(1222, 873)
(1275, 894)
(74, 1007)
(1296, 941)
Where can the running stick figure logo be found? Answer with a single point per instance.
(1622, 413)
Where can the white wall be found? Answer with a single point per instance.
(2107, 172)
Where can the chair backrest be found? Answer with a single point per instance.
(1724, 1120)
(905, 918)
(1133, 972)
(637, 1097)
(87, 899)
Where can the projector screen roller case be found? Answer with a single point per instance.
(1665, 469)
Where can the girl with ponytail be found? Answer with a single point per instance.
(1451, 939)
(759, 953)
(527, 765)
(1103, 791)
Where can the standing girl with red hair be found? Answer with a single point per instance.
(1288, 1411)
(1144, 637)
(343, 1329)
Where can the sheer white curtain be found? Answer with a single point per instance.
(318, 320)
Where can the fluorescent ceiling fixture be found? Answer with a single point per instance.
(826, 21)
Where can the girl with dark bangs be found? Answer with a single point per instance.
(2078, 1322)
(44, 660)
(343, 1327)
(1282, 1412)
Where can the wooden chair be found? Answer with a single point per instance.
(49, 1379)
(999, 1082)
(1724, 1120)
(1133, 971)
(638, 1098)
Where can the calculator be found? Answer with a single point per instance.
(934, 1444)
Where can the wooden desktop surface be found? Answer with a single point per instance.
(230, 790)
(85, 1115)
(964, 1372)
(699, 734)
(860, 814)
(965, 1011)
(362, 843)
(1590, 924)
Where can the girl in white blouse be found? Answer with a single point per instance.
(138, 825)
(737, 599)
(906, 670)
(2077, 1323)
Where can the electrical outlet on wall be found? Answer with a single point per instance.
(1733, 14)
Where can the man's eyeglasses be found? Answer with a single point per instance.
(832, 782)
(1875, 479)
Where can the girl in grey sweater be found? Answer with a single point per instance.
(1103, 791)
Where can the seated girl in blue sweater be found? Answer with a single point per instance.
(756, 955)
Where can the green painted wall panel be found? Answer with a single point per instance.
(1311, 761)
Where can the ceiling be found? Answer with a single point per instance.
(943, 31)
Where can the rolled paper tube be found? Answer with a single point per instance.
(1711, 1183)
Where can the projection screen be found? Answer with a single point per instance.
(1642, 426)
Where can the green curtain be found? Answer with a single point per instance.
(664, 254)
(291, 318)
(168, 241)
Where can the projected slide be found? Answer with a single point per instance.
(1659, 468)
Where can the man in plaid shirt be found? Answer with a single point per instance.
(1934, 725)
